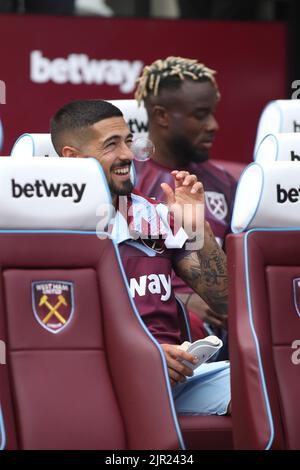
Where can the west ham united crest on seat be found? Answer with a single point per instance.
(53, 304)
(296, 286)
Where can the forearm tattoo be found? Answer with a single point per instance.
(206, 272)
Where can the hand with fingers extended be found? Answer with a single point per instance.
(186, 202)
(176, 369)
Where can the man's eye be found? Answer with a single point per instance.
(201, 115)
(110, 145)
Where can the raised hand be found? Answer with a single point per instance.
(186, 202)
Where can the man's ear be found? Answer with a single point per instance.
(68, 151)
(160, 115)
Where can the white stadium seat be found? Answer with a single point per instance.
(267, 196)
(33, 145)
(279, 147)
(278, 116)
(46, 194)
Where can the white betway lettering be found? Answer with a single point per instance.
(166, 282)
(140, 287)
(157, 284)
(79, 68)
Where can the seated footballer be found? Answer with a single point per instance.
(96, 128)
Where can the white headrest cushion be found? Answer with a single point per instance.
(267, 196)
(279, 147)
(33, 145)
(54, 193)
(278, 116)
(135, 116)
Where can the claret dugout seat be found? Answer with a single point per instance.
(264, 309)
(81, 370)
(199, 432)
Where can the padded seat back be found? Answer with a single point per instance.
(264, 271)
(81, 372)
(264, 324)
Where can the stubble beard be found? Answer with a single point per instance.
(123, 190)
(186, 153)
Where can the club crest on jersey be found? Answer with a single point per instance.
(53, 304)
(296, 288)
(216, 204)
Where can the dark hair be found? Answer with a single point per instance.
(77, 116)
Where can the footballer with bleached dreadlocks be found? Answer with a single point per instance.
(180, 96)
(170, 73)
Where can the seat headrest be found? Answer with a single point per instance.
(54, 193)
(33, 145)
(267, 196)
(279, 147)
(135, 116)
(278, 116)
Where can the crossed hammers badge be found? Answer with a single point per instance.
(53, 304)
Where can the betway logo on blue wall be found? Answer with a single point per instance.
(79, 69)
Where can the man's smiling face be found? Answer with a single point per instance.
(109, 141)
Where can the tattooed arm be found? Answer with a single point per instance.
(205, 271)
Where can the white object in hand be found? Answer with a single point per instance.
(203, 349)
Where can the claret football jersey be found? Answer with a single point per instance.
(219, 189)
(148, 262)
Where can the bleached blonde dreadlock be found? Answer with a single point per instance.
(159, 71)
